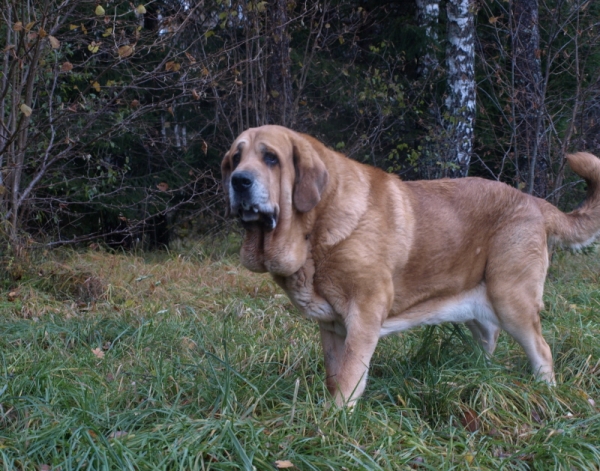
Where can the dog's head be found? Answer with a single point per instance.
(272, 176)
(270, 169)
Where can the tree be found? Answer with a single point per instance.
(460, 103)
(279, 68)
(531, 146)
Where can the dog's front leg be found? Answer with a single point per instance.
(332, 341)
(347, 360)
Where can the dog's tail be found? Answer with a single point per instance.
(581, 226)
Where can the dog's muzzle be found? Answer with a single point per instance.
(249, 200)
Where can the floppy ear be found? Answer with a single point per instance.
(311, 175)
(226, 169)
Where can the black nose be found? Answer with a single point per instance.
(241, 181)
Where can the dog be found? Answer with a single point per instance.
(366, 254)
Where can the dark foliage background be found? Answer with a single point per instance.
(114, 115)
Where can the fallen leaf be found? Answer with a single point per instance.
(18, 26)
(117, 434)
(13, 295)
(282, 464)
(98, 352)
(66, 67)
(204, 147)
(162, 186)
(45, 467)
(42, 33)
(469, 420)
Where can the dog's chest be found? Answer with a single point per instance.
(301, 290)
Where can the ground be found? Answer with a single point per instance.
(188, 361)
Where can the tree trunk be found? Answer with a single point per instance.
(279, 79)
(531, 149)
(460, 104)
(428, 12)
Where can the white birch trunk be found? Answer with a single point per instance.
(428, 13)
(460, 103)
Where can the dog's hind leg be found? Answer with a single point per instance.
(485, 334)
(515, 291)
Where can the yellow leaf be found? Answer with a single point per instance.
(18, 26)
(282, 464)
(141, 9)
(66, 67)
(83, 28)
(274, 93)
(205, 71)
(55, 43)
(42, 33)
(96, 86)
(172, 66)
(125, 51)
(107, 32)
(94, 47)
(208, 34)
(261, 6)
(99, 11)
(98, 352)
(26, 110)
(72, 27)
(29, 26)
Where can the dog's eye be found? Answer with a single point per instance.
(270, 159)
(235, 159)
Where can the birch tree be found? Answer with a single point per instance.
(460, 103)
(428, 13)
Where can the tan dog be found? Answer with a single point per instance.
(366, 254)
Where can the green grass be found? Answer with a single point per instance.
(181, 362)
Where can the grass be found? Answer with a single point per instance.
(182, 362)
